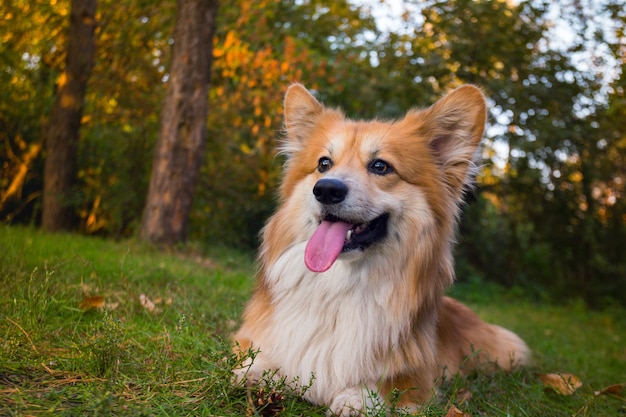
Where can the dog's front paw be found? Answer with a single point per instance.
(348, 403)
(253, 371)
(247, 376)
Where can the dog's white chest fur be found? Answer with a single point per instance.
(332, 326)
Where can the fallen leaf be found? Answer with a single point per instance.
(146, 303)
(111, 306)
(615, 389)
(95, 302)
(565, 384)
(455, 412)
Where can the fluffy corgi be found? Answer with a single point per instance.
(355, 261)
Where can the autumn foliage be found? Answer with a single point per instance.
(548, 212)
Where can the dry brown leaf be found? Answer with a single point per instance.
(455, 412)
(615, 389)
(146, 303)
(95, 302)
(111, 306)
(565, 384)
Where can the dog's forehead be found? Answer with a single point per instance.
(364, 139)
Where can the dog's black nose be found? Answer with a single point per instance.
(330, 191)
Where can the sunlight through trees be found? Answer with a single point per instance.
(548, 212)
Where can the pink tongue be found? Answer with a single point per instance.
(325, 245)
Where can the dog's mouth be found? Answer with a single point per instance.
(335, 236)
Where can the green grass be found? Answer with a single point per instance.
(59, 359)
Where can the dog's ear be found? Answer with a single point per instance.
(301, 112)
(454, 126)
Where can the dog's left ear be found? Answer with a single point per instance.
(454, 127)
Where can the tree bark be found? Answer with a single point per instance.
(64, 124)
(182, 138)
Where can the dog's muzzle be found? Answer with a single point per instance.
(339, 233)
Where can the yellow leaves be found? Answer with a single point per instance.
(63, 11)
(263, 180)
(576, 177)
(218, 91)
(231, 40)
(111, 105)
(62, 80)
(565, 384)
(261, 189)
(245, 148)
(218, 51)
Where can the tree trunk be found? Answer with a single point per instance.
(64, 124)
(181, 144)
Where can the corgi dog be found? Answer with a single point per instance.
(354, 263)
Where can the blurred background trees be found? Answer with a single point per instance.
(63, 125)
(548, 213)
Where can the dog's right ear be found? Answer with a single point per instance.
(301, 113)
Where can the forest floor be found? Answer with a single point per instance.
(90, 327)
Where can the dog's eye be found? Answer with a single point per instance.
(324, 164)
(380, 167)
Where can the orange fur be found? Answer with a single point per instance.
(377, 320)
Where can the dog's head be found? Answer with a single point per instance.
(356, 186)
